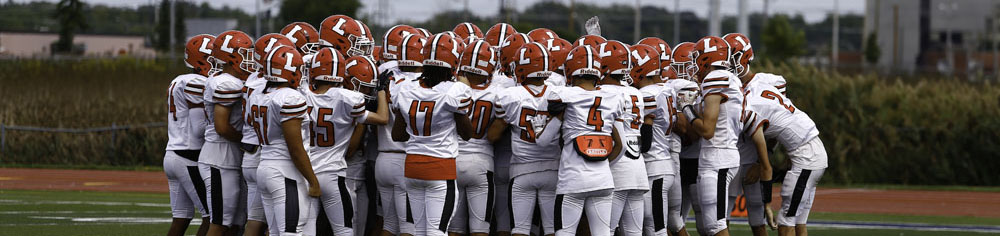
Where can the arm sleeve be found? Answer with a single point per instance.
(459, 99)
(714, 85)
(227, 92)
(194, 91)
(293, 106)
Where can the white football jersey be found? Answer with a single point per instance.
(333, 116)
(526, 111)
(254, 85)
(271, 108)
(502, 81)
(428, 113)
(629, 173)
(728, 126)
(226, 90)
(660, 103)
(481, 115)
(692, 150)
(770, 79)
(555, 79)
(399, 82)
(779, 118)
(587, 113)
(185, 113)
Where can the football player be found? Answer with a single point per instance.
(288, 184)
(220, 159)
(501, 224)
(794, 129)
(435, 117)
(508, 52)
(533, 166)
(559, 50)
(399, 73)
(475, 161)
(349, 36)
(584, 115)
(629, 172)
(683, 83)
(186, 134)
(304, 36)
(718, 123)
(658, 114)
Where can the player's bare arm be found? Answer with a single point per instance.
(496, 130)
(222, 126)
(381, 115)
(355, 141)
(617, 148)
(705, 125)
(463, 126)
(399, 129)
(291, 129)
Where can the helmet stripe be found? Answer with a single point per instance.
(433, 48)
(475, 54)
(403, 48)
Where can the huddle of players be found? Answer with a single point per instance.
(645, 133)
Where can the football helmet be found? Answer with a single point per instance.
(541, 35)
(303, 35)
(467, 30)
(511, 45)
(198, 55)
(498, 33)
(479, 58)
(409, 52)
(361, 76)
(266, 43)
(667, 73)
(283, 64)
(646, 62)
(345, 34)
(661, 47)
(583, 61)
(742, 53)
(234, 48)
(377, 54)
(426, 33)
(559, 48)
(442, 51)
(393, 39)
(683, 61)
(533, 61)
(593, 40)
(711, 52)
(616, 59)
(328, 65)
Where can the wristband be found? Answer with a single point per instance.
(689, 113)
(765, 191)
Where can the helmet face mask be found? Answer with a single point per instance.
(248, 64)
(360, 46)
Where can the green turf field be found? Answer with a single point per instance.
(102, 213)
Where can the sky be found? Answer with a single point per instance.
(419, 10)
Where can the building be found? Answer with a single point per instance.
(19, 44)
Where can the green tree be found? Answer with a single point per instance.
(313, 12)
(872, 51)
(781, 40)
(69, 13)
(162, 38)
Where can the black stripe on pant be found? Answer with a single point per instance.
(658, 216)
(449, 205)
(291, 205)
(409, 209)
(722, 199)
(557, 216)
(345, 198)
(800, 188)
(489, 196)
(199, 186)
(216, 209)
(510, 202)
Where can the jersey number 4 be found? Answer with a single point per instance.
(426, 107)
(774, 96)
(594, 117)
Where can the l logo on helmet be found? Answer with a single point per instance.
(339, 26)
(640, 60)
(204, 46)
(225, 44)
(290, 33)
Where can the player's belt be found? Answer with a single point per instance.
(188, 154)
(249, 148)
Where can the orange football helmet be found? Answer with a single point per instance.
(541, 35)
(303, 35)
(646, 62)
(479, 58)
(667, 73)
(498, 33)
(616, 59)
(742, 53)
(283, 64)
(533, 61)
(511, 45)
(713, 52)
(583, 61)
(593, 40)
(362, 76)
(683, 61)
(409, 52)
(328, 65)
(377, 54)
(393, 39)
(661, 47)
(465, 29)
(198, 55)
(559, 48)
(442, 51)
(266, 43)
(235, 49)
(426, 33)
(345, 34)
